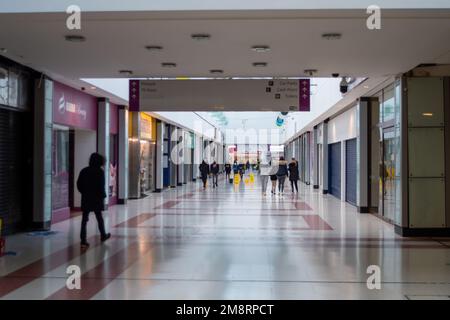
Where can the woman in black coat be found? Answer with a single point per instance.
(293, 174)
(204, 172)
(282, 173)
(91, 185)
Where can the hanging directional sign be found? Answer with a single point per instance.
(219, 95)
(305, 90)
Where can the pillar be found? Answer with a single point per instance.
(325, 156)
(134, 160)
(159, 155)
(362, 154)
(180, 153)
(103, 139)
(42, 154)
(123, 155)
(315, 160)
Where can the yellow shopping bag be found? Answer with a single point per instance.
(237, 179)
(252, 177)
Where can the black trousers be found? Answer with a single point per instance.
(294, 183)
(204, 179)
(84, 221)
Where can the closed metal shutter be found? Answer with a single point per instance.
(350, 171)
(334, 171)
(11, 208)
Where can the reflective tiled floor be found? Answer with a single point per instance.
(228, 243)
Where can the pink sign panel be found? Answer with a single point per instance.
(74, 108)
(134, 88)
(304, 95)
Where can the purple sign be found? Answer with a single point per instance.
(134, 88)
(74, 108)
(304, 95)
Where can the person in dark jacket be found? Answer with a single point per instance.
(214, 172)
(91, 185)
(282, 173)
(227, 171)
(204, 172)
(293, 174)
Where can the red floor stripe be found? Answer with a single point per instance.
(315, 222)
(97, 278)
(135, 221)
(169, 204)
(34, 270)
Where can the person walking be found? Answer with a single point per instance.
(227, 171)
(264, 173)
(204, 172)
(273, 180)
(214, 172)
(91, 185)
(281, 174)
(293, 174)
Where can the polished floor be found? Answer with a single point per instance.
(230, 242)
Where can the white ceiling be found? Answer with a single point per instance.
(117, 41)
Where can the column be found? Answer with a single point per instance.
(325, 156)
(123, 155)
(180, 153)
(134, 160)
(103, 139)
(315, 160)
(362, 155)
(42, 154)
(159, 155)
(307, 158)
(343, 170)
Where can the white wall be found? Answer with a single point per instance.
(343, 127)
(85, 145)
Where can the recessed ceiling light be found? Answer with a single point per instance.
(200, 36)
(216, 71)
(427, 114)
(310, 72)
(75, 38)
(168, 65)
(127, 72)
(366, 87)
(154, 48)
(260, 64)
(93, 88)
(261, 48)
(331, 36)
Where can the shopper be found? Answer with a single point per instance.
(204, 172)
(265, 170)
(241, 169)
(293, 174)
(214, 172)
(273, 180)
(91, 185)
(282, 173)
(227, 172)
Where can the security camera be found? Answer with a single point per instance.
(335, 75)
(343, 86)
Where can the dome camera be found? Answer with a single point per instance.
(335, 75)
(343, 85)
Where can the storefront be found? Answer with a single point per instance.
(74, 139)
(148, 156)
(113, 152)
(16, 146)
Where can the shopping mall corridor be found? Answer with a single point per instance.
(230, 242)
